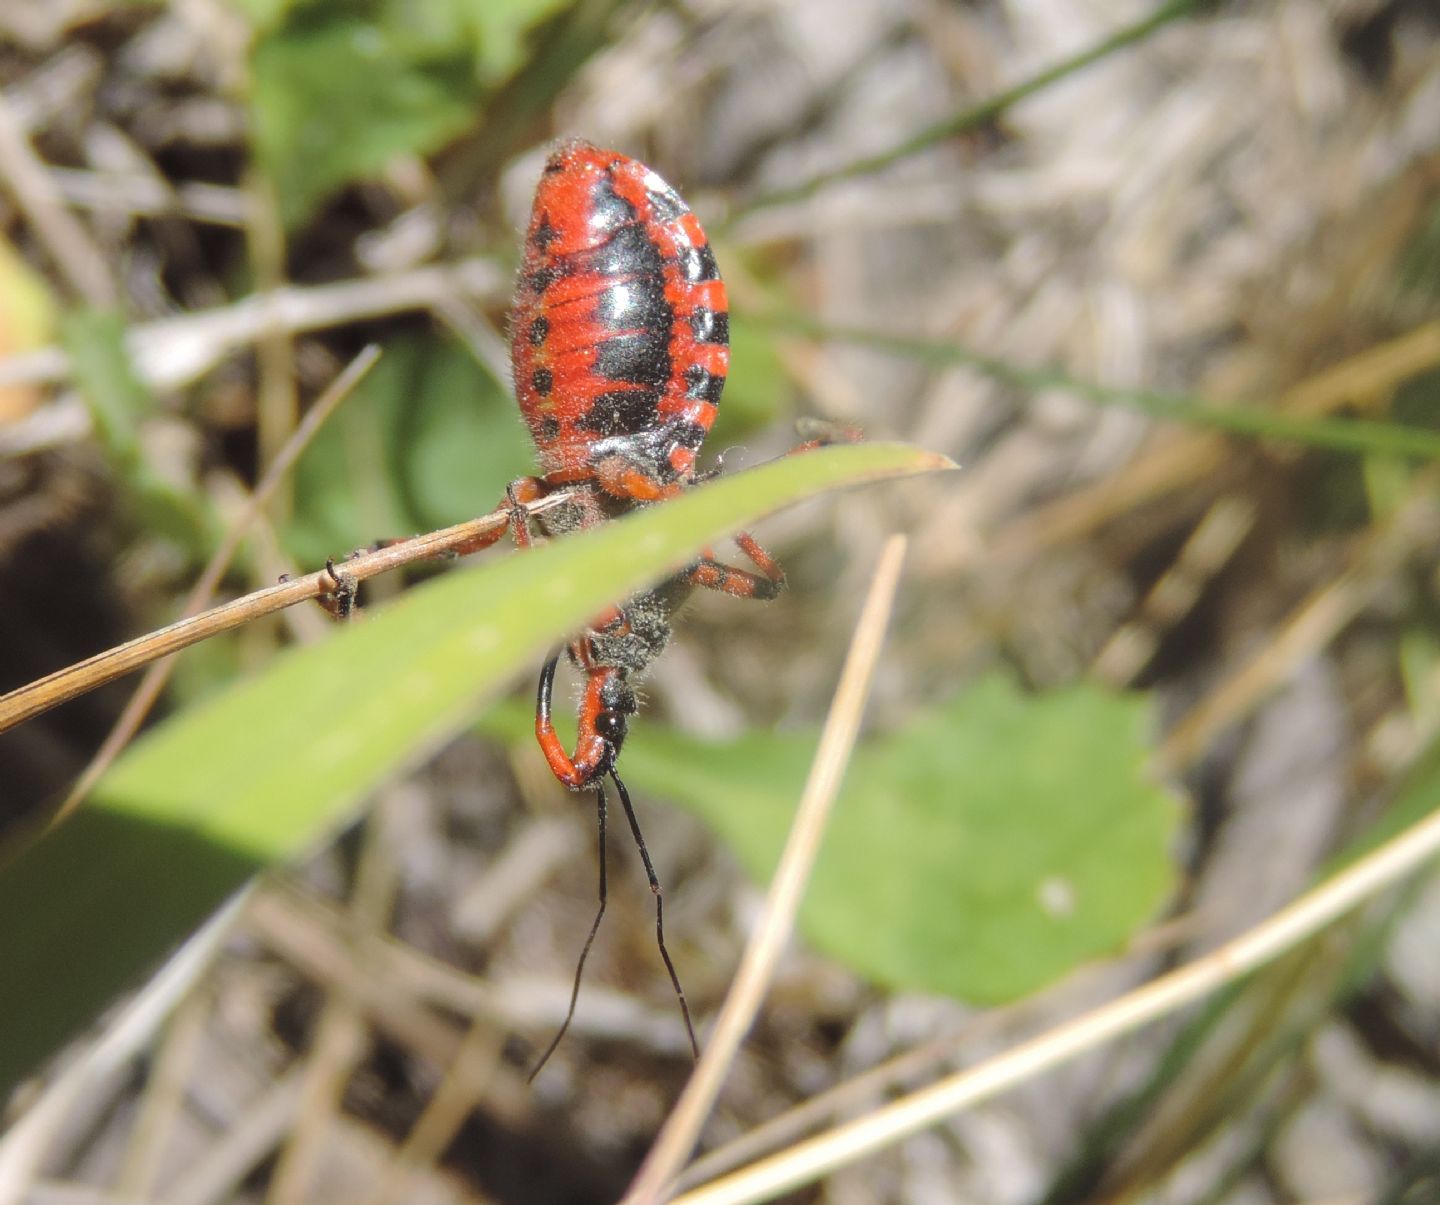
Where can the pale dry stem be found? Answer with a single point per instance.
(808, 1161)
(762, 952)
(139, 704)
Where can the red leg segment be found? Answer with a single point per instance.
(519, 493)
(739, 583)
(593, 752)
(624, 480)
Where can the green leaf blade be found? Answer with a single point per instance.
(337, 95)
(981, 852)
(262, 772)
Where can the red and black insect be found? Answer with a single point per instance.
(620, 347)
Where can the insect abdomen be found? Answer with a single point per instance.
(620, 332)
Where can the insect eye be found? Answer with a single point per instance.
(612, 726)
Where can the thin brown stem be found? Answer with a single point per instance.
(139, 704)
(762, 953)
(60, 687)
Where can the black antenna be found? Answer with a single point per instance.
(589, 941)
(600, 912)
(659, 908)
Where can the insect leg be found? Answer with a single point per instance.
(339, 601)
(770, 580)
(822, 432)
(518, 493)
(711, 574)
(590, 747)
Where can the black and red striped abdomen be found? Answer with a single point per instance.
(620, 331)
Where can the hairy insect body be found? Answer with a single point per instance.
(619, 343)
(619, 339)
(620, 330)
(641, 631)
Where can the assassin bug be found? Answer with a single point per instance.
(619, 341)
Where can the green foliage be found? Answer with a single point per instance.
(337, 96)
(339, 90)
(267, 769)
(982, 851)
(500, 28)
(119, 402)
(429, 438)
(976, 116)
(1419, 275)
(1254, 421)
(756, 390)
(1417, 797)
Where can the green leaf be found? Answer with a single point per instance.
(982, 851)
(973, 116)
(756, 391)
(339, 90)
(265, 770)
(1255, 421)
(263, 14)
(501, 26)
(337, 95)
(411, 450)
(118, 401)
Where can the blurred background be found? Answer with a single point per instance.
(1163, 280)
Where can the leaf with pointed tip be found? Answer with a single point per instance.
(983, 850)
(265, 770)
